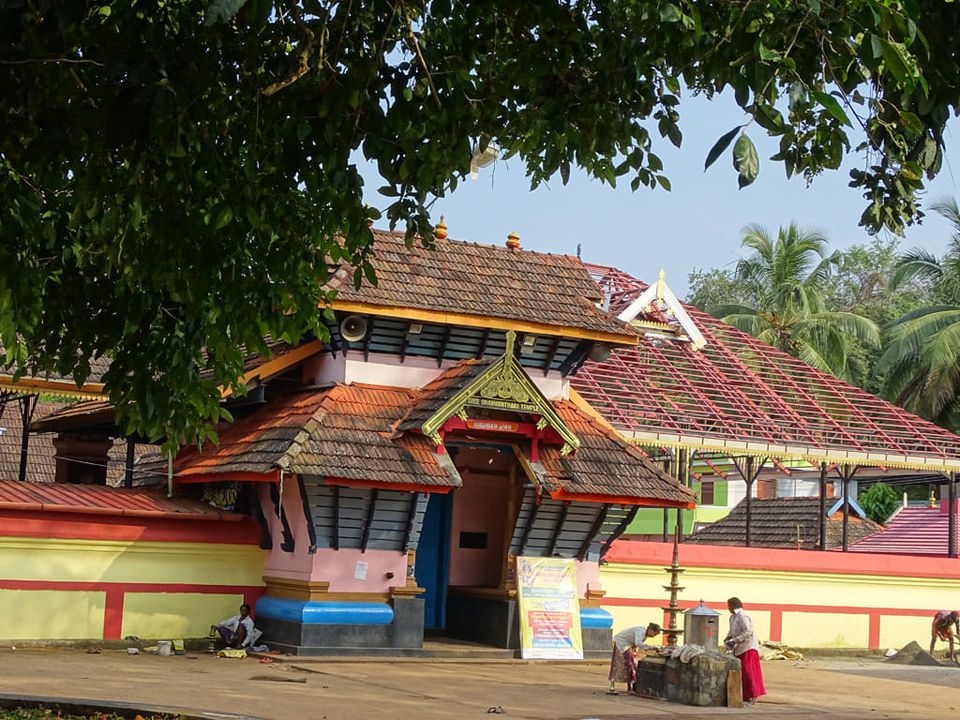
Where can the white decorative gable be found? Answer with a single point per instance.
(659, 299)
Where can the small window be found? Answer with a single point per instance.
(706, 492)
(473, 540)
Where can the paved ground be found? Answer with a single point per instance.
(384, 690)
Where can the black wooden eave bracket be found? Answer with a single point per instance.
(406, 343)
(443, 344)
(308, 516)
(528, 527)
(288, 544)
(484, 341)
(411, 521)
(577, 357)
(558, 528)
(368, 521)
(551, 354)
(367, 340)
(266, 540)
(621, 529)
(335, 533)
(594, 531)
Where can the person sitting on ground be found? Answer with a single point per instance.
(944, 624)
(237, 631)
(627, 646)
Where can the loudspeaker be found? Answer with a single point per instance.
(353, 328)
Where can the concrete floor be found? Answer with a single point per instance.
(385, 689)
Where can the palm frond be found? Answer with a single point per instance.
(916, 264)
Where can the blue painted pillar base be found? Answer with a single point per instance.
(311, 627)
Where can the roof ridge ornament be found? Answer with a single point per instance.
(660, 292)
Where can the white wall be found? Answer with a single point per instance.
(414, 372)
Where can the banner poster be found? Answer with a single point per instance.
(549, 609)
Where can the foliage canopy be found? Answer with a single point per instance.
(176, 176)
(878, 502)
(786, 279)
(920, 365)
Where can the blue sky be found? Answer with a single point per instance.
(697, 224)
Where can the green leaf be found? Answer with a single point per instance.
(223, 217)
(897, 60)
(814, 6)
(746, 160)
(664, 183)
(911, 123)
(252, 217)
(104, 11)
(670, 13)
(136, 213)
(768, 54)
(719, 146)
(832, 106)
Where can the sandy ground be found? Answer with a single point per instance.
(384, 690)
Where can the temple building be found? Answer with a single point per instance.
(391, 475)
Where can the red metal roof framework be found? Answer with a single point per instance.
(741, 396)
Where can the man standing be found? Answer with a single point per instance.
(743, 642)
(944, 624)
(623, 664)
(238, 631)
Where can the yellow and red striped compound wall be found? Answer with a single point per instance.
(803, 598)
(73, 577)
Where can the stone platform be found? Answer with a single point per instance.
(710, 680)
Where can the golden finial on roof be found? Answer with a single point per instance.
(661, 284)
(511, 339)
(440, 231)
(513, 241)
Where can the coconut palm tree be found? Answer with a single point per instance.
(785, 277)
(920, 366)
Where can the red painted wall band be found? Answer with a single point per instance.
(776, 625)
(113, 614)
(72, 527)
(659, 555)
(873, 634)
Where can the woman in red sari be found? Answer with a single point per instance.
(743, 642)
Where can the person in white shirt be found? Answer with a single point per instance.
(237, 631)
(743, 642)
(623, 665)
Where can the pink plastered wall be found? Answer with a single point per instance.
(479, 506)
(298, 564)
(338, 567)
(588, 577)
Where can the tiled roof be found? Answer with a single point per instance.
(606, 465)
(341, 432)
(439, 390)
(738, 392)
(481, 280)
(350, 432)
(782, 523)
(41, 467)
(913, 531)
(98, 368)
(100, 500)
(79, 415)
